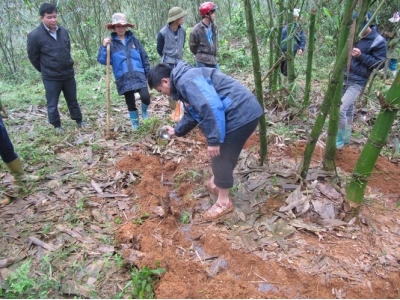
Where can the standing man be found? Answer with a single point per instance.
(203, 40)
(171, 38)
(171, 41)
(49, 50)
(369, 53)
(299, 42)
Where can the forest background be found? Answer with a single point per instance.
(22, 93)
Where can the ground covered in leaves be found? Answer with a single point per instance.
(142, 206)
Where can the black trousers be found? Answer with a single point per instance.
(223, 165)
(53, 90)
(130, 98)
(7, 152)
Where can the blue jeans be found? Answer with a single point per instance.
(350, 95)
(53, 90)
(203, 65)
(7, 152)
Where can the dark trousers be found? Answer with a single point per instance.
(223, 165)
(7, 152)
(130, 98)
(53, 90)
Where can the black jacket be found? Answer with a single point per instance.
(51, 57)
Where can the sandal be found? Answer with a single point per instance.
(212, 191)
(218, 210)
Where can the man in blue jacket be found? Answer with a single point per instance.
(225, 110)
(49, 51)
(369, 53)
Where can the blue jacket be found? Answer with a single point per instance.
(215, 101)
(373, 52)
(299, 41)
(129, 62)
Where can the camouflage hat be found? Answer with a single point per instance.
(118, 19)
(175, 13)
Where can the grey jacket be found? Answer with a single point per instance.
(169, 45)
(216, 102)
(199, 45)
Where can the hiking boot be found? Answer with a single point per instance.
(59, 130)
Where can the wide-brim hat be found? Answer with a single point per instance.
(118, 19)
(175, 13)
(296, 12)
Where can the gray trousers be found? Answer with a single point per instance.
(350, 95)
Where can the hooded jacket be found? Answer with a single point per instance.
(216, 102)
(129, 62)
(373, 53)
(52, 58)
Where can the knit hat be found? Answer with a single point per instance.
(118, 19)
(175, 13)
(396, 17)
(296, 12)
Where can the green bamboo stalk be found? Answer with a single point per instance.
(257, 76)
(329, 156)
(271, 40)
(278, 51)
(389, 107)
(333, 87)
(310, 54)
(290, 40)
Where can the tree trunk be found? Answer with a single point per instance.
(377, 139)
(257, 76)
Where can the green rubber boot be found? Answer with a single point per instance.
(16, 170)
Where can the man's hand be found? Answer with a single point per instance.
(299, 52)
(171, 130)
(213, 151)
(356, 52)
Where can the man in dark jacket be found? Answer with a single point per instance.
(203, 39)
(369, 53)
(225, 110)
(49, 50)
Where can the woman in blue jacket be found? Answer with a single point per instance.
(130, 65)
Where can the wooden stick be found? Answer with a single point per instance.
(4, 263)
(42, 244)
(108, 90)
